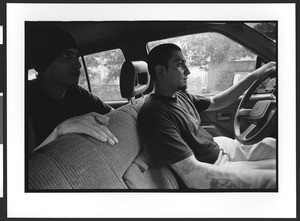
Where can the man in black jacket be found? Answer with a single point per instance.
(56, 104)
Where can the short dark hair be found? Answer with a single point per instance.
(160, 55)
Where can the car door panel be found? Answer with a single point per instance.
(220, 122)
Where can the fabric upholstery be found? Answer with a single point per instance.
(134, 107)
(121, 155)
(135, 178)
(44, 174)
(140, 176)
(71, 162)
(77, 161)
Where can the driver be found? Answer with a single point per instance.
(170, 126)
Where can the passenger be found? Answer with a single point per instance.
(56, 104)
(170, 126)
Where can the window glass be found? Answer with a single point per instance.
(82, 77)
(215, 61)
(104, 71)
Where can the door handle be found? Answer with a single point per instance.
(224, 116)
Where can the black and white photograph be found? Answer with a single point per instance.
(175, 119)
(173, 107)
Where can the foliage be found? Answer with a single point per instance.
(268, 29)
(201, 49)
(104, 67)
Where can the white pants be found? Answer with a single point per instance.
(256, 161)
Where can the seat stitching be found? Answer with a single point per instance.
(56, 164)
(104, 157)
(127, 114)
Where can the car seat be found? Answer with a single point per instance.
(78, 162)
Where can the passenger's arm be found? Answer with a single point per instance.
(230, 95)
(199, 175)
(92, 124)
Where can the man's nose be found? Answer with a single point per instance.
(187, 71)
(77, 63)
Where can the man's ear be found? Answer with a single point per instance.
(160, 71)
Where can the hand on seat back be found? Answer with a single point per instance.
(92, 124)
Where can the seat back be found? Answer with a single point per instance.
(139, 175)
(77, 161)
(134, 81)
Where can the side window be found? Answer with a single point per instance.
(104, 72)
(215, 61)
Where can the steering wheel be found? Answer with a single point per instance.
(263, 116)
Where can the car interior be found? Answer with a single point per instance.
(77, 162)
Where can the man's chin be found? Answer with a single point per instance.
(183, 88)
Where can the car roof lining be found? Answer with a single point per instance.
(95, 36)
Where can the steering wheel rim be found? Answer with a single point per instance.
(263, 117)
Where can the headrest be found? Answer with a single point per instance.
(134, 78)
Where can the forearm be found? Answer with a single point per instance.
(206, 176)
(199, 175)
(215, 177)
(230, 95)
(50, 138)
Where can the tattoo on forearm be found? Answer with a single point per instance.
(222, 183)
(209, 177)
(184, 169)
(227, 184)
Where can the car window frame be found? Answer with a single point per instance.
(258, 61)
(87, 76)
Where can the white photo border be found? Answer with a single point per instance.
(280, 204)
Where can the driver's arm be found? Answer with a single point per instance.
(227, 97)
(199, 175)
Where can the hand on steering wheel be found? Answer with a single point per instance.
(263, 116)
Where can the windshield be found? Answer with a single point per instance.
(268, 29)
